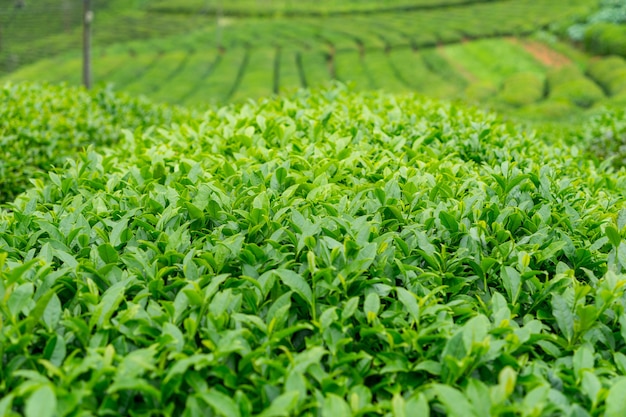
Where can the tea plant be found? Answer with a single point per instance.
(43, 125)
(328, 254)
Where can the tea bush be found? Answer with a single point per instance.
(43, 125)
(563, 75)
(606, 39)
(570, 84)
(480, 91)
(582, 92)
(550, 110)
(330, 254)
(610, 73)
(522, 89)
(605, 135)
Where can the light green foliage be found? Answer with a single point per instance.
(300, 44)
(300, 7)
(610, 73)
(605, 136)
(522, 89)
(42, 126)
(480, 91)
(582, 92)
(548, 110)
(492, 60)
(570, 84)
(327, 254)
(563, 75)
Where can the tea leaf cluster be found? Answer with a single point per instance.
(327, 254)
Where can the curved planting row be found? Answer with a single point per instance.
(258, 57)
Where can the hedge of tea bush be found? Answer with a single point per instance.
(610, 73)
(606, 39)
(329, 254)
(522, 89)
(570, 84)
(42, 125)
(605, 136)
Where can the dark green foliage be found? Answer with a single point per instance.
(522, 89)
(41, 126)
(610, 73)
(328, 255)
(605, 135)
(606, 39)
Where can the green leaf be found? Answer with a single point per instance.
(117, 233)
(20, 298)
(564, 316)
(613, 235)
(454, 401)
(16, 273)
(409, 300)
(481, 396)
(371, 306)
(221, 403)
(417, 406)
(6, 404)
(475, 331)
(616, 400)
(583, 360)
(335, 406)
(41, 403)
(621, 219)
(398, 406)
(591, 386)
(551, 251)
(535, 400)
(507, 378)
(297, 284)
(55, 350)
(350, 308)
(108, 254)
(448, 221)
(283, 405)
(512, 281)
(110, 301)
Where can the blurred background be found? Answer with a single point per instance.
(534, 58)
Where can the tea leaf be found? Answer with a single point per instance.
(616, 400)
(41, 403)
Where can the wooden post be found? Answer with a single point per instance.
(87, 20)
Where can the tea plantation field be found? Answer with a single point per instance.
(477, 51)
(331, 253)
(314, 208)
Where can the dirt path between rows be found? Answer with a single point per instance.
(543, 53)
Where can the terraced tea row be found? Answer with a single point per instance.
(258, 57)
(251, 8)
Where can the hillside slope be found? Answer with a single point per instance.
(206, 59)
